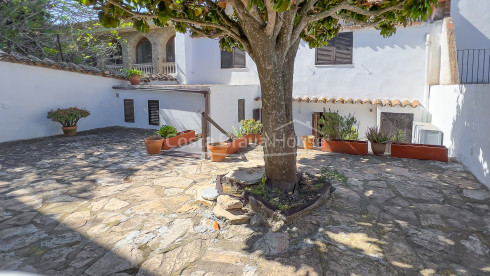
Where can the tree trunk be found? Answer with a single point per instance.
(276, 80)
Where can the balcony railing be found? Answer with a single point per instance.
(146, 68)
(474, 65)
(168, 68)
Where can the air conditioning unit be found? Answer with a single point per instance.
(426, 133)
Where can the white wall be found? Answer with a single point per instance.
(462, 113)
(472, 23)
(205, 67)
(224, 106)
(27, 93)
(367, 115)
(382, 67)
(180, 109)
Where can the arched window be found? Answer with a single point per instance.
(171, 49)
(143, 51)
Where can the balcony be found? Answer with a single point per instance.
(168, 68)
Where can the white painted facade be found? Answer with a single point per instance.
(471, 19)
(461, 112)
(27, 93)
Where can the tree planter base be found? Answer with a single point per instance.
(420, 151)
(182, 138)
(269, 213)
(349, 147)
(70, 131)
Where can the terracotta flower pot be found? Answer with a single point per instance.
(153, 144)
(70, 131)
(308, 141)
(237, 144)
(258, 139)
(378, 148)
(420, 151)
(349, 147)
(218, 151)
(183, 137)
(135, 80)
(250, 137)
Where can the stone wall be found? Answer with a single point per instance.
(158, 38)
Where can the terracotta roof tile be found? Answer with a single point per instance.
(385, 102)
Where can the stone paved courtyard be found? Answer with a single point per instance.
(96, 204)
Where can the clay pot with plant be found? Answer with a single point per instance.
(340, 134)
(153, 144)
(68, 118)
(134, 76)
(218, 151)
(252, 129)
(238, 141)
(378, 140)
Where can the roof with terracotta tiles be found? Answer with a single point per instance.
(68, 66)
(384, 102)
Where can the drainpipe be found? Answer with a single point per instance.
(426, 82)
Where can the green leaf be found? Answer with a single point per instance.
(141, 26)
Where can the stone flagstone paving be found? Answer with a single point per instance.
(96, 204)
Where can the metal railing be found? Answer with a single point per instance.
(474, 65)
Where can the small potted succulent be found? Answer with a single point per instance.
(68, 118)
(134, 76)
(378, 140)
(239, 141)
(252, 129)
(340, 134)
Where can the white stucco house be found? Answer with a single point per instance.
(434, 72)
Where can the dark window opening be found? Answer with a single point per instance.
(171, 49)
(241, 110)
(129, 110)
(233, 59)
(153, 112)
(338, 50)
(143, 51)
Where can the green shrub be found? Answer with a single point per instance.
(68, 117)
(133, 72)
(398, 136)
(167, 131)
(375, 135)
(251, 126)
(336, 127)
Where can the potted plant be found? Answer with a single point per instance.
(416, 151)
(68, 118)
(134, 76)
(238, 140)
(153, 144)
(340, 134)
(252, 129)
(378, 140)
(172, 138)
(218, 151)
(308, 141)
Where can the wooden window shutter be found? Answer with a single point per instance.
(153, 112)
(241, 110)
(226, 59)
(338, 51)
(238, 58)
(129, 110)
(343, 48)
(257, 114)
